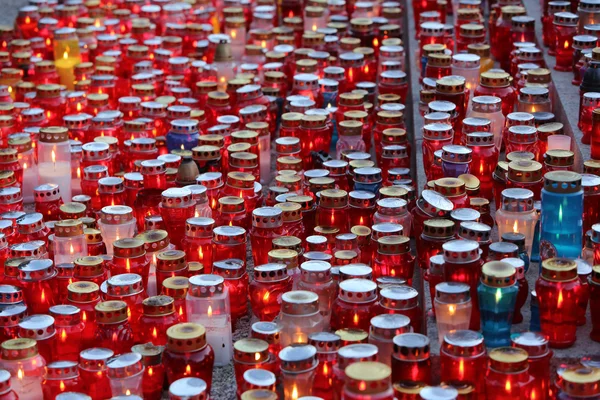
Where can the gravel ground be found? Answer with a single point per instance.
(9, 11)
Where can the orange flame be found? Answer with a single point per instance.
(209, 312)
(53, 157)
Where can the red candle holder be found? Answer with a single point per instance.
(114, 331)
(37, 277)
(61, 377)
(539, 356)
(48, 201)
(267, 224)
(270, 282)
(462, 263)
(463, 359)
(242, 185)
(497, 84)
(401, 300)
(354, 305)
(154, 370)
(130, 258)
(69, 330)
(170, 263)
(229, 242)
(526, 175)
(484, 159)
(41, 328)
(9, 321)
(332, 209)
(93, 371)
(85, 296)
(348, 355)
(436, 232)
(158, 315)
(558, 289)
(148, 199)
(393, 258)
(249, 354)
(453, 189)
(507, 374)
(565, 27)
(236, 280)
(410, 359)
(187, 354)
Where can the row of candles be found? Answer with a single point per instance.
(144, 227)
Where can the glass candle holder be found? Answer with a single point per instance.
(69, 241)
(208, 304)
(316, 277)
(456, 160)
(452, 307)
(54, 159)
(383, 330)
(525, 175)
(352, 310)
(463, 359)
(332, 209)
(125, 374)
(267, 223)
(48, 201)
(497, 296)
(270, 282)
(114, 331)
(563, 196)
(176, 206)
(298, 368)
(517, 214)
(69, 330)
(435, 137)
(393, 258)
(116, 222)
(31, 227)
(327, 345)
(462, 263)
(508, 374)
(187, 353)
(539, 356)
(183, 134)
(93, 371)
(41, 328)
(410, 359)
(249, 354)
(347, 355)
(496, 84)
(154, 371)
(565, 27)
(374, 375)
(430, 205)
(558, 289)
(37, 278)
(158, 312)
(300, 316)
(403, 300)
(21, 359)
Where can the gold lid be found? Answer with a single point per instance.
(559, 269)
(154, 240)
(368, 377)
(111, 312)
(54, 134)
(170, 260)
(251, 351)
(508, 359)
(176, 287)
(352, 335)
(186, 337)
(19, 349)
(524, 171)
(259, 394)
(157, 306)
(68, 228)
(498, 274)
(495, 79)
(333, 198)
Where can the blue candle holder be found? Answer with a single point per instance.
(534, 322)
(497, 295)
(456, 160)
(561, 223)
(183, 135)
(368, 179)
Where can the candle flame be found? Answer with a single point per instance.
(127, 265)
(79, 106)
(25, 166)
(375, 42)
(355, 319)
(498, 295)
(209, 312)
(452, 309)
(71, 249)
(62, 386)
(516, 227)
(461, 370)
(507, 386)
(150, 371)
(263, 44)
(180, 310)
(325, 369)
(233, 34)
(84, 316)
(20, 374)
(188, 370)
(366, 69)
(560, 299)
(266, 296)
(314, 27)
(53, 157)
(43, 297)
(78, 172)
(27, 20)
(65, 55)
(566, 45)
(128, 392)
(295, 393)
(182, 148)
(63, 335)
(154, 333)
(257, 356)
(48, 42)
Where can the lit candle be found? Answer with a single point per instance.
(66, 55)
(298, 368)
(20, 357)
(54, 155)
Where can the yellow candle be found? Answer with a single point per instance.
(66, 70)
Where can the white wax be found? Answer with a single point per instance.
(58, 173)
(30, 181)
(218, 335)
(264, 144)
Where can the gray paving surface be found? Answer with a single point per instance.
(9, 10)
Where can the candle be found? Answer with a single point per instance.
(154, 370)
(188, 355)
(93, 370)
(507, 374)
(207, 304)
(66, 55)
(463, 359)
(354, 305)
(125, 374)
(60, 377)
(250, 354)
(116, 222)
(114, 331)
(300, 316)
(21, 359)
(298, 369)
(452, 307)
(69, 241)
(410, 359)
(69, 330)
